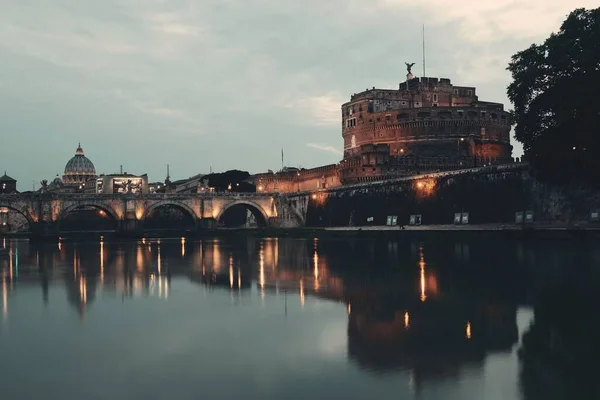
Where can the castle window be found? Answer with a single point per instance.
(469, 92)
(417, 104)
(455, 91)
(388, 117)
(435, 98)
(403, 103)
(483, 114)
(435, 104)
(378, 119)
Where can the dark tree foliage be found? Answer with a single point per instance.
(235, 178)
(556, 95)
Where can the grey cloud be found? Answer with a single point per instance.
(225, 83)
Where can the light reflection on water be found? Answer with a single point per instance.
(282, 318)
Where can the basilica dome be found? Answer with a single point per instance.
(79, 169)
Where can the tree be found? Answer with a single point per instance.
(556, 95)
(233, 181)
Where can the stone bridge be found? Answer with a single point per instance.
(44, 212)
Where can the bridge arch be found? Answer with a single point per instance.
(25, 214)
(257, 210)
(170, 203)
(97, 205)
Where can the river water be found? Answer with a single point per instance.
(284, 318)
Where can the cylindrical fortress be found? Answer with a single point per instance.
(425, 118)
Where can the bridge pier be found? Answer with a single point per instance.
(129, 227)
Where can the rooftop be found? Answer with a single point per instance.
(6, 178)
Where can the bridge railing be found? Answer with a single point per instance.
(148, 196)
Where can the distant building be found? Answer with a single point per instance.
(156, 187)
(122, 184)
(7, 184)
(189, 185)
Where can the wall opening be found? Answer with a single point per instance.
(242, 216)
(13, 221)
(87, 218)
(169, 217)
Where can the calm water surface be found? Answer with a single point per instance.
(269, 318)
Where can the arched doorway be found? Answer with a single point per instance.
(87, 218)
(169, 216)
(242, 215)
(13, 220)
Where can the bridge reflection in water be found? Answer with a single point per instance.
(432, 307)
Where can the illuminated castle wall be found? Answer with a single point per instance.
(426, 125)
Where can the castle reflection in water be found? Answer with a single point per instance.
(432, 307)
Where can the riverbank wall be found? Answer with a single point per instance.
(488, 197)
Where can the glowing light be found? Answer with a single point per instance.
(302, 293)
(261, 264)
(102, 261)
(230, 272)
(139, 258)
(420, 185)
(82, 290)
(316, 265)
(102, 213)
(182, 247)
(349, 308)
(159, 261)
(239, 279)
(314, 196)
(59, 245)
(4, 299)
(406, 320)
(468, 330)
(422, 271)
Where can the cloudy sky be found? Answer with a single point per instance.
(228, 83)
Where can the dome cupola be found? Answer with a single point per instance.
(79, 169)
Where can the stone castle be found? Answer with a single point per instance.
(426, 125)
